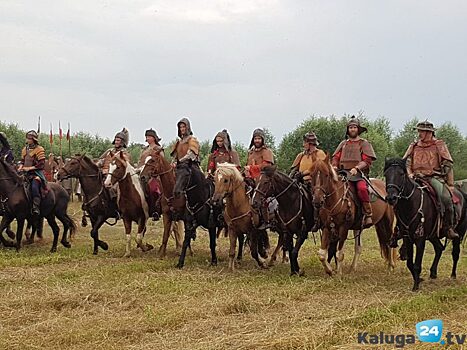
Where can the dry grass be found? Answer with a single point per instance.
(74, 300)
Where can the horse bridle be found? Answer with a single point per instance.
(400, 190)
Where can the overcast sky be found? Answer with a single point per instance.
(237, 64)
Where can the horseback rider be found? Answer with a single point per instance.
(356, 155)
(259, 155)
(305, 159)
(32, 162)
(152, 187)
(186, 149)
(5, 152)
(120, 143)
(429, 158)
(222, 152)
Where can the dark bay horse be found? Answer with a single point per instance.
(17, 204)
(333, 199)
(295, 212)
(229, 185)
(193, 200)
(419, 220)
(131, 200)
(98, 204)
(156, 166)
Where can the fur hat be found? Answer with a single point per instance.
(260, 133)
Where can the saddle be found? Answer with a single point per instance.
(431, 191)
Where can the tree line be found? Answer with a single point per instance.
(329, 129)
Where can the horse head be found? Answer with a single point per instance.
(227, 178)
(117, 169)
(395, 172)
(323, 180)
(183, 173)
(153, 166)
(264, 187)
(72, 168)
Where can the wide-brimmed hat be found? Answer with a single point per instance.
(426, 126)
(310, 137)
(354, 121)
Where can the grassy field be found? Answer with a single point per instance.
(74, 300)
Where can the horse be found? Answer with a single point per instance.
(294, 212)
(192, 199)
(229, 185)
(17, 204)
(419, 220)
(131, 200)
(338, 213)
(98, 203)
(156, 166)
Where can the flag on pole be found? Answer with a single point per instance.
(51, 136)
(68, 133)
(60, 133)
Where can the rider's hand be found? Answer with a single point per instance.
(247, 168)
(20, 167)
(353, 171)
(411, 175)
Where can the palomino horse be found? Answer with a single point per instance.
(157, 166)
(98, 203)
(17, 204)
(418, 218)
(131, 201)
(229, 184)
(338, 214)
(192, 198)
(295, 212)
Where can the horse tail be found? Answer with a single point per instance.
(72, 225)
(384, 230)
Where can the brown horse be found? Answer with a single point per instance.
(229, 184)
(131, 201)
(334, 200)
(157, 166)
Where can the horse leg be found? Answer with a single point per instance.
(66, 226)
(241, 242)
(212, 245)
(95, 226)
(357, 249)
(127, 224)
(233, 242)
(19, 233)
(280, 242)
(456, 249)
(323, 251)
(340, 251)
(186, 242)
(5, 223)
(139, 236)
(165, 236)
(420, 244)
(288, 244)
(298, 244)
(438, 251)
(56, 231)
(254, 249)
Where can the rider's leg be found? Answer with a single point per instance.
(362, 191)
(447, 208)
(36, 195)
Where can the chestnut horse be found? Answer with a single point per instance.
(229, 184)
(130, 198)
(334, 200)
(157, 166)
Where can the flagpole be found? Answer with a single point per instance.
(51, 139)
(60, 137)
(39, 125)
(68, 136)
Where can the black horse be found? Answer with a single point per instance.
(418, 219)
(295, 211)
(193, 200)
(17, 204)
(99, 206)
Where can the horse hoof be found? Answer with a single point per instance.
(66, 244)
(213, 263)
(149, 247)
(179, 266)
(415, 288)
(11, 234)
(94, 252)
(104, 245)
(126, 255)
(28, 242)
(433, 277)
(453, 277)
(53, 250)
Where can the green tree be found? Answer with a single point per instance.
(405, 137)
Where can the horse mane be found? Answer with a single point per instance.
(399, 162)
(229, 170)
(88, 161)
(325, 167)
(10, 170)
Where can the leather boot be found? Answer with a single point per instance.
(449, 222)
(367, 215)
(156, 215)
(36, 206)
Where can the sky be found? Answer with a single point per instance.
(238, 64)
